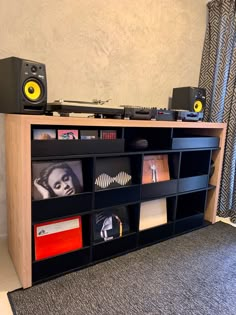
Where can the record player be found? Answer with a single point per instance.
(67, 107)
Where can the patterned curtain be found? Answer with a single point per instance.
(218, 76)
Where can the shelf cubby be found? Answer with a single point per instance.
(166, 187)
(86, 235)
(157, 139)
(58, 265)
(190, 204)
(189, 223)
(55, 147)
(114, 247)
(194, 170)
(155, 234)
(195, 163)
(157, 212)
(129, 215)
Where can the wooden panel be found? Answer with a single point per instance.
(217, 156)
(55, 120)
(18, 178)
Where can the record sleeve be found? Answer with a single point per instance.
(56, 179)
(57, 237)
(112, 172)
(88, 134)
(70, 134)
(111, 223)
(155, 168)
(108, 134)
(153, 213)
(44, 134)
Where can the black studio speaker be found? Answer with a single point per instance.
(23, 86)
(189, 98)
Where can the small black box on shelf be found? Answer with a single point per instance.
(194, 142)
(110, 223)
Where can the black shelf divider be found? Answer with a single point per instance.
(59, 207)
(40, 148)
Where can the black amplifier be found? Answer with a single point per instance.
(139, 113)
(148, 113)
(166, 115)
(189, 116)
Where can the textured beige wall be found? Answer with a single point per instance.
(132, 51)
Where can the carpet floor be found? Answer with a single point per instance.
(194, 273)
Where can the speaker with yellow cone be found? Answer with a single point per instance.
(189, 98)
(23, 87)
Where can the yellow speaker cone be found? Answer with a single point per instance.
(32, 90)
(197, 107)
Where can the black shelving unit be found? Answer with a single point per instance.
(189, 159)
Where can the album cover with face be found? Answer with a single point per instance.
(56, 179)
(111, 223)
(112, 172)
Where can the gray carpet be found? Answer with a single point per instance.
(191, 274)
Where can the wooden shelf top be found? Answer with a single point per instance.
(99, 122)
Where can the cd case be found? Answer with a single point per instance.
(111, 223)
